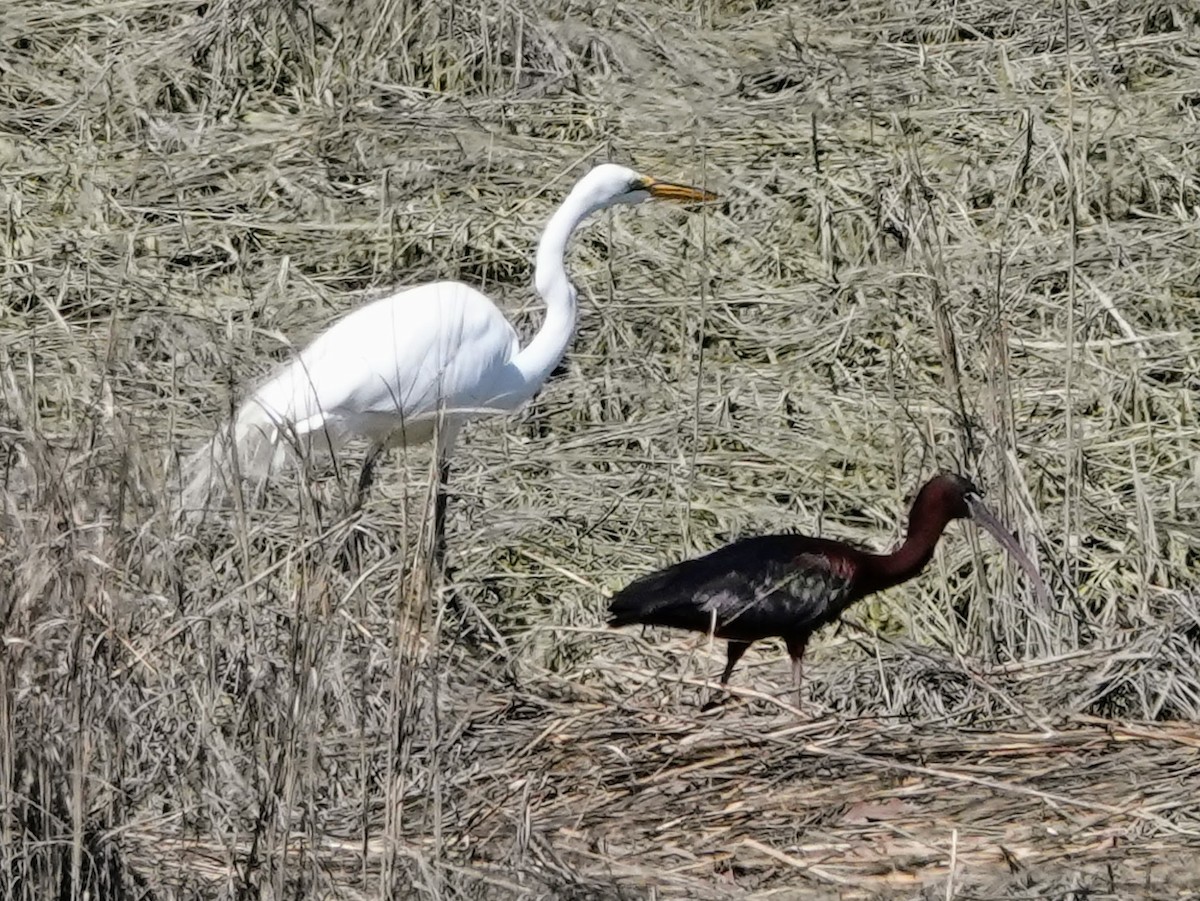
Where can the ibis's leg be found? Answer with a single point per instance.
(795, 648)
(733, 653)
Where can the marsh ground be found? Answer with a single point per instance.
(953, 235)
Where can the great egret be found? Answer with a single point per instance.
(417, 363)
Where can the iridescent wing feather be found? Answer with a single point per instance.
(755, 588)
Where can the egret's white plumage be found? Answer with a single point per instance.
(420, 361)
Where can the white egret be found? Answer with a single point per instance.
(417, 363)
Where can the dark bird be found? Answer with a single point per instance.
(790, 585)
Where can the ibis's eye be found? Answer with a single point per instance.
(636, 185)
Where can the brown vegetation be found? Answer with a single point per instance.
(955, 235)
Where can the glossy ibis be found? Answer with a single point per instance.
(788, 586)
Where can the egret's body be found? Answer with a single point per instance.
(417, 363)
(446, 352)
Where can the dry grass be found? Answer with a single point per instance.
(956, 235)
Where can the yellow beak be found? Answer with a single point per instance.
(667, 190)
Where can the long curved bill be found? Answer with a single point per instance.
(669, 190)
(982, 515)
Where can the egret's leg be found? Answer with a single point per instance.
(440, 498)
(350, 555)
(366, 478)
(447, 434)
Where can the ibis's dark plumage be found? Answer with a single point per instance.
(790, 585)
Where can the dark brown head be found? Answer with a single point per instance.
(958, 498)
(949, 493)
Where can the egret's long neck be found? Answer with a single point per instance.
(926, 523)
(539, 357)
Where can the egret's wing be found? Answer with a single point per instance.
(397, 360)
